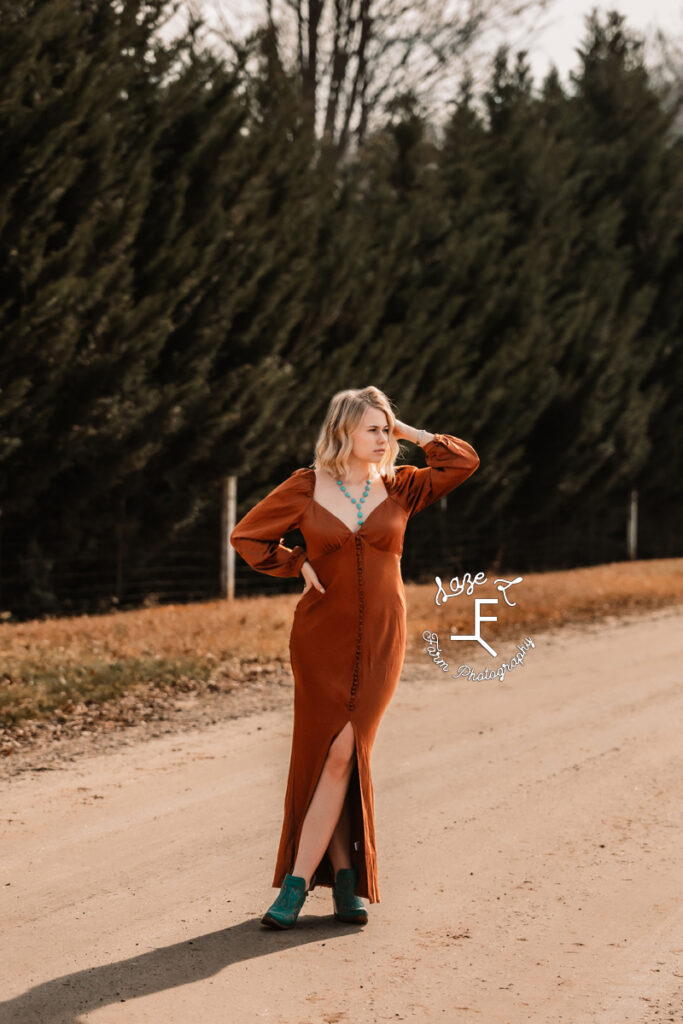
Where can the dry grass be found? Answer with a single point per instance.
(57, 667)
(552, 599)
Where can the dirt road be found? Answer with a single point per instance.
(529, 852)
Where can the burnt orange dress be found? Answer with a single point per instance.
(347, 645)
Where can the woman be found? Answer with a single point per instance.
(348, 637)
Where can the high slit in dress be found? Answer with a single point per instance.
(347, 645)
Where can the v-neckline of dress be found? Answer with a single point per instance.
(341, 521)
(369, 515)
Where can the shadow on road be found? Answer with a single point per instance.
(65, 999)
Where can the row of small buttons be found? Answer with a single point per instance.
(361, 608)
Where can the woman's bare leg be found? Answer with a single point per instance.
(340, 843)
(326, 805)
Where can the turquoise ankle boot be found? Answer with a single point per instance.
(348, 906)
(285, 910)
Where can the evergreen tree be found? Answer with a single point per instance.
(502, 175)
(75, 168)
(627, 197)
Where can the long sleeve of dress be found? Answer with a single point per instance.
(450, 461)
(257, 537)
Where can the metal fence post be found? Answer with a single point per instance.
(228, 511)
(632, 529)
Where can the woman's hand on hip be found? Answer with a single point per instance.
(311, 578)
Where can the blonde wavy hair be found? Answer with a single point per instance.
(344, 414)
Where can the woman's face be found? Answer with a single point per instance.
(371, 436)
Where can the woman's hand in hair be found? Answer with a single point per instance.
(402, 430)
(411, 433)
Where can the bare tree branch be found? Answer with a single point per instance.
(349, 54)
(359, 77)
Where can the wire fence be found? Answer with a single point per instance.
(32, 585)
(38, 578)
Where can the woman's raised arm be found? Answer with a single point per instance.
(450, 461)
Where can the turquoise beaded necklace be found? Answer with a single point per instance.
(356, 501)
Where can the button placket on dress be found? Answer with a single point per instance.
(361, 609)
